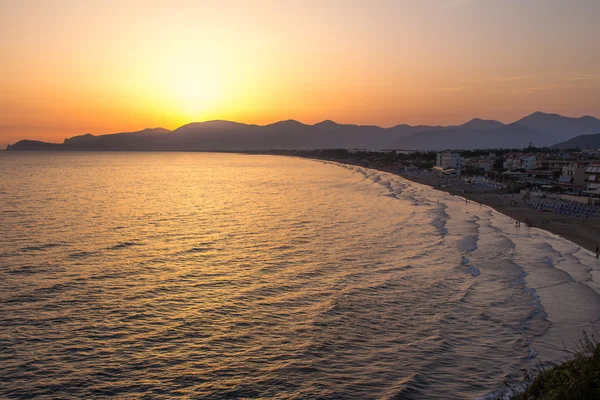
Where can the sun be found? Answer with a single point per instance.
(189, 85)
(195, 90)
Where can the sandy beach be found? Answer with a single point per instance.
(583, 231)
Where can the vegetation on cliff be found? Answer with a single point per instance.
(578, 378)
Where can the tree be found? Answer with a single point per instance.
(499, 163)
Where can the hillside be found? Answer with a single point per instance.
(584, 142)
(506, 136)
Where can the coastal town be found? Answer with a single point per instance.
(571, 172)
(575, 172)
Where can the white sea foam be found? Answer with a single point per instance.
(561, 279)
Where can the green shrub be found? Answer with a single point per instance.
(578, 378)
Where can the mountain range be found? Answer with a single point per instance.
(539, 129)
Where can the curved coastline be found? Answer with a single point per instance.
(562, 287)
(574, 236)
(501, 211)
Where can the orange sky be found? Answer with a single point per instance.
(74, 66)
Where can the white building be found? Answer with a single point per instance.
(447, 160)
(528, 162)
(514, 161)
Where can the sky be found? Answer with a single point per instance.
(70, 67)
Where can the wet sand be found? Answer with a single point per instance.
(584, 232)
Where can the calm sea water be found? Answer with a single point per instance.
(133, 275)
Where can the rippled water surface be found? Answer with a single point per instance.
(133, 275)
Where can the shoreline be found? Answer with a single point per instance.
(570, 302)
(582, 232)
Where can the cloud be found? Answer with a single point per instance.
(451, 89)
(584, 78)
(542, 88)
(509, 78)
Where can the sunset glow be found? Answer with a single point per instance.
(299, 199)
(71, 67)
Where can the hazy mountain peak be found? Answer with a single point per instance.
(542, 114)
(326, 123)
(484, 124)
(156, 130)
(210, 125)
(560, 126)
(221, 122)
(286, 123)
(84, 137)
(88, 137)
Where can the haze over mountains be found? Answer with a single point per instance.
(539, 129)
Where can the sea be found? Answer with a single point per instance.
(230, 276)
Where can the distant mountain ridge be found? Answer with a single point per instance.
(539, 129)
(584, 142)
(482, 124)
(562, 127)
(477, 137)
